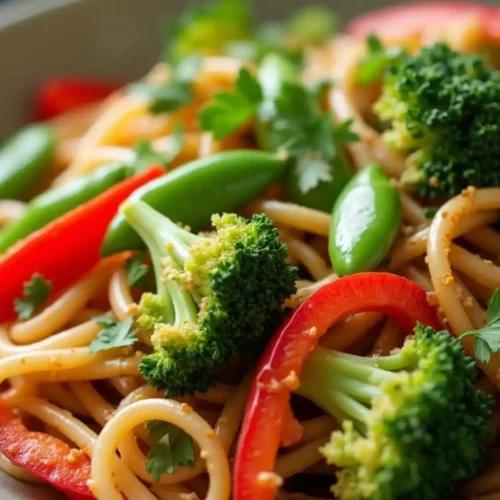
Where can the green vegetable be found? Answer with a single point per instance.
(414, 425)
(146, 155)
(138, 273)
(24, 159)
(171, 447)
(291, 119)
(430, 212)
(36, 293)
(175, 93)
(224, 182)
(442, 109)
(209, 28)
(487, 339)
(372, 66)
(230, 110)
(114, 334)
(57, 201)
(365, 222)
(311, 25)
(218, 298)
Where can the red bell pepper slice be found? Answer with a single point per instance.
(67, 248)
(412, 19)
(60, 95)
(44, 456)
(282, 361)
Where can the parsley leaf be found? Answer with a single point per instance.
(138, 273)
(374, 63)
(230, 110)
(487, 339)
(309, 135)
(171, 447)
(312, 171)
(36, 293)
(146, 155)
(175, 93)
(114, 334)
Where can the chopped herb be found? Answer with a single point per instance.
(171, 447)
(230, 110)
(114, 334)
(312, 170)
(138, 273)
(36, 293)
(146, 155)
(430, 212)
(374, 63)
(309, 135)
(487, 339)
(176, 93)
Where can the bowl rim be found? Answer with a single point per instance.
(19, 11)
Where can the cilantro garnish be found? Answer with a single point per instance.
(146, 155)
(175, 93)
(487, 339)
(114, 334)
(138, 273)
(171, 447)
(36, 293)
(230, 110)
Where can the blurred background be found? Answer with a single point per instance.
(111, 39)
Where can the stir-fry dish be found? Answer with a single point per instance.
(268, 269)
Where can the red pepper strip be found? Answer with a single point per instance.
(68, 247)
(282, 361)
(44, 456)
(60, 95)
(401, 21)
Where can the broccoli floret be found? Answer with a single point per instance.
(218, 298)
(443, 109)
(413, 422)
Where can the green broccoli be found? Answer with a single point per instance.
(218, 298)
(414, 424)
(443, 109)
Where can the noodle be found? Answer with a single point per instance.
(99, 402)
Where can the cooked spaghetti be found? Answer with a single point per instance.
(76, 363)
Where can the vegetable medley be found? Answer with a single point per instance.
(285, 239)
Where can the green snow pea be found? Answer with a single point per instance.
(365, 222)
(23, 160)
(57, 201)
(190, 194)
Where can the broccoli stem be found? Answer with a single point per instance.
(165, 240)
(344, 384)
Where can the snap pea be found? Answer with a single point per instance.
(222, 182)
(275, 73)
(23, 160)
(365, 222)
(57, 201)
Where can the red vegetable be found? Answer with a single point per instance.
(281, 364)
(59, 95)
(405, 20)
(67, 248)
(45, 456)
